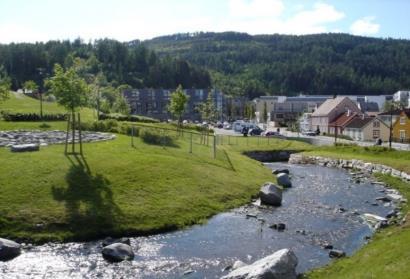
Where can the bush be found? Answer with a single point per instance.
(109, 126)
(153, 137)
(341, 144)
(130, 118)
(9, 116)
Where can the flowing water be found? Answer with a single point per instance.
(311, 210)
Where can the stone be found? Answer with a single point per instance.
(283, 180)
(118, 252)
(391, 214)
(238, 264)
(279, 226)
(327, 246)
(280, 265)
(337, 254)
(278, 171)
(9, 249)
(25, 147)
(109, 240)
(383, 199)
(271, 194)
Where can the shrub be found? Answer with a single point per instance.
(153, 137)
(9, 116)
(130, 118)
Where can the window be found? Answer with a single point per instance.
(376, 124)
(376, 134)
(402, 134)
(402, 120)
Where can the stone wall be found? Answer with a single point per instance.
(348, 164)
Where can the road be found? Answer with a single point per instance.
(319, 140)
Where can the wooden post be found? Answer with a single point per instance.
(79, 135)
(132, 135)
(214, 145)
(190, 145)
(66, 135)
(73, 133)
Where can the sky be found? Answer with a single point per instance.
(126, 20)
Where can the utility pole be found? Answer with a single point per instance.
(391, 126)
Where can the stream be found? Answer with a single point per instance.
(323, 206)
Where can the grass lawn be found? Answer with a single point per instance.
(119, 190)
(21, 103)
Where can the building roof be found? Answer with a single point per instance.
(343, 119)
(368, 106)
(359, 122)
(328, 106)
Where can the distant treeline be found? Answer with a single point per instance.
(121, 63)
(284, 64)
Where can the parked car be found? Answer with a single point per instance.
(219, 125)
(255, 131)
(309, 133)
(227, 126)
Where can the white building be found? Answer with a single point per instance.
(402, 97)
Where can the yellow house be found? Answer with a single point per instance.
(401, 128)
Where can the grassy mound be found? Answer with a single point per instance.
(119, 190)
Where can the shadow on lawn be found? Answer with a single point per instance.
(88, 198)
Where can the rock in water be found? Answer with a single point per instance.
(25, 147)
(283, 180)
(109, 240)
(278, 171)
(9, 249)
(336, 254)
(271, 194)
(118, 252)
(238, 264)
(280, 265)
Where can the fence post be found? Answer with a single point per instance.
(268, 141)
(214, 146)
(190, 145)
(258, 140)
(132, 135)
(79, 135)
(229, 140)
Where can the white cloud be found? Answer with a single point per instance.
(365, 26)
(256, 8)
(310, 21)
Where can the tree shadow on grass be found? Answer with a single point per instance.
(90, 207)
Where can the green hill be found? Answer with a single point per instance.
(286, 64)
(21, 103)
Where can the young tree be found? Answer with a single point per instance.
(31, 85)
(70, 91)
(178, 102)
(4, 85)
(265, 112)
(121, 105)
(207, 109)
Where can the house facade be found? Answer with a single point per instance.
(330, 110)
(401, 128)
(364, 128)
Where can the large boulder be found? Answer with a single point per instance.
(109, 240)
(283, 180)
(280, 265)
(118, 252)
(25, 147)
(9, 249)
(278, 171)
(271, 194)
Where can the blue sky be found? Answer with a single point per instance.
(124, 20)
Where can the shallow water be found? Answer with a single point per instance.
(311, 205)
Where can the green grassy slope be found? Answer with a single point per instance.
(21, 103)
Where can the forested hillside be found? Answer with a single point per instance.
(285, 64)
(121, 63)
